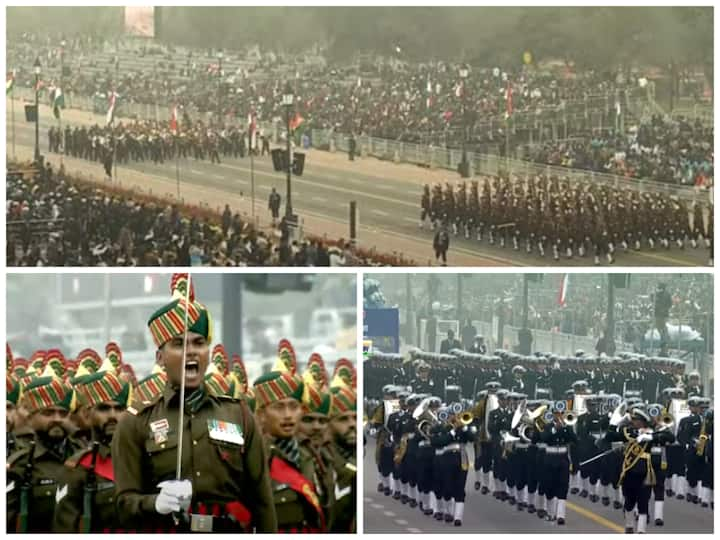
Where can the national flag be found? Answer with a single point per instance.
(429, 99)
(459, 90)
(174, 119)
(58, 101)
(40, 85)
(110, 116)
(562, 295)
(9, 83)
(296, 121)
(252, 128)
(508, 100)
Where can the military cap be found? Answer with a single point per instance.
(543, 393)
(316, 400)
(502, 393)
(169, 321)
(492, 385)
(286, 357)
(217, 382)
(639, 414)
(220, 358)
(388, 388)
(343, 399)
(150, 387)
(434, 401)
(275, 386)
(45, 392)
(402, 395)
(344, 374)
(518, 369)
(19, 367)
(239, 375)
(90, 359)
(694, 401)
(113, 354)
(315, 372)
(102, 386)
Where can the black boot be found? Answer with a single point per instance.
(606, 501)
(477, 486)
(531, 509)
(380, 488)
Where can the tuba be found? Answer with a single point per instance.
(491, 403)
(702, 440)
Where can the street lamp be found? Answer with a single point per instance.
(36, 67)
(288, 100)
(220, 59)
(464, 166)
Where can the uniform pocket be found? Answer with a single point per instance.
(230, 454)
(163, 457)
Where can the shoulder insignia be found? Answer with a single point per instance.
(132, 410)
(15, 457)
(351, 467)
(73, 460)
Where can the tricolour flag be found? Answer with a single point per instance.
(110, 116)
(562, 295)
(459, 90)
(252, 128)
(9, 83)
(173, 120)
(58, 101)
(296, 121)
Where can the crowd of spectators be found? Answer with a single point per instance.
(57, 220)
(677, 151)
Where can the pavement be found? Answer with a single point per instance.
(485, 514)
(387, 196)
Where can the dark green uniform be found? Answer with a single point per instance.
(322, 476)
(296, 500)
(69, 508)
(345, 491)
(47, 468)
(230, 478)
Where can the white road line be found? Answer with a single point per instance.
(380, 213)
(376, 506)
(401, 522)
(414, 530)
(368, 499)
(196, 171)
(319, 199)
(409, 219)
(388, 513)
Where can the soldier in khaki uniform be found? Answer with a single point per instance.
(32, 471)
(343, 422)
(225, 483)
(89, 471)
(278, 396)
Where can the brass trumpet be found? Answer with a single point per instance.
(466, 418)
(569, 418)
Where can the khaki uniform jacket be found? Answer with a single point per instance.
(345, 491)
(145, 448)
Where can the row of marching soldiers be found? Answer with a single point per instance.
(92, 450)
(543, 213)
(532, 452)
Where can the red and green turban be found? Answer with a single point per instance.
(114, 354)
(150, 387)
(55, 361)
(343, 399)
(315, 373)
(169, 321)
(315, 400)
(217, 383)
(19, 368)
(45, 392)
(101, 387)
(89, 359)
(239, 375)
(287, 359)
(220, 358)
(8, 357)
(275, 386)
(37, 362)
(344, 374)
(12, 389)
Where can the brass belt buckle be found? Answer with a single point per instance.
(201, 523)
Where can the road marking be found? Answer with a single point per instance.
(380, 213)
(368, 499)
(414, 530)
(376, 506)
(592, 516)
(196, 171)
(409, 220)
(401, 522)
(388, 513)
(319, 199)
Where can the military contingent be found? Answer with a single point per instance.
(547, 215)
(628, 431)
(192, 447)
(151, 141)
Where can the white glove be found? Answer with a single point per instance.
(174, 496)
(644, 437)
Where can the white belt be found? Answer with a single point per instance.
(439, 451)
(452, 447)
(557, 450)
(617, 444)
(423, 444)
(656, 450)
(542, 446)
(596, 435)
(411, 436)
(522, 445)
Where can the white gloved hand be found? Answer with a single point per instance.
(174, 496)
(644, 437)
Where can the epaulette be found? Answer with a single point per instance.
(15, 456)
(139, 406)
(73, 460)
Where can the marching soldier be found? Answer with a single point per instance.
(85, 496)
(558, 436)
(224, 482)
(32, 471)
(499, 423)
(689, 431)
(343, 420)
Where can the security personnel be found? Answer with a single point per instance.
(343, 420)
(591, 429)
(296, 499)
(558, 436)
(689, 431)
(423, 384)
(33, 470)
(225, 482)
(90, 469)
(458, 463)
(658, 455)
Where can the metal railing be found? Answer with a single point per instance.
(487, 164)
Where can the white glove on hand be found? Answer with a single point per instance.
(174, 496)
(644, 437)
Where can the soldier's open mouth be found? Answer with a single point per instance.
(191, 368)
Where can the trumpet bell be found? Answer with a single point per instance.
(570, 419)
(466, 418)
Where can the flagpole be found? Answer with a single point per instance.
(12, 106)
(177, 164)
(252, 184)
